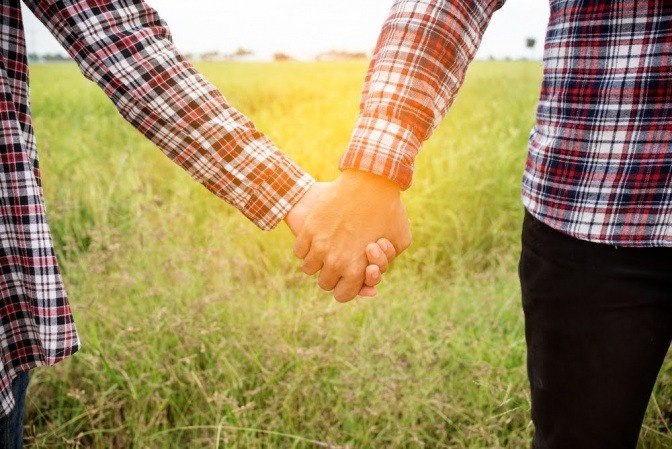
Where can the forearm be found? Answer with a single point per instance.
(128, 52)
(421, 57)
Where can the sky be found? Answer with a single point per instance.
(305, 28)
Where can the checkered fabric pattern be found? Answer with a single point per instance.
(417, 68)
(125, 48)
(599, 163)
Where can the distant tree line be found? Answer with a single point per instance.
(242, 54)
(49, 57)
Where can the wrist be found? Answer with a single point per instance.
(297, 211)
(368, 180)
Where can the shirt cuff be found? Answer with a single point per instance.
(283, 187)
(383, 148)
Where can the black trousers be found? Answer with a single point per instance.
(598, 323)
(11, 426)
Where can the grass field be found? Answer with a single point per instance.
(198, 329)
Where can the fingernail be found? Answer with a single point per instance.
(383, 245)
(375, 252)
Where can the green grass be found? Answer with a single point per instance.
(198, 329)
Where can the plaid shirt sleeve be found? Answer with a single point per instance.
(417, 67)
(127, 50)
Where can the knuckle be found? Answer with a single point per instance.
(309, 268)
(325, 285)
(298, 251)
(372, 282)
(320, 246)
(332, 262)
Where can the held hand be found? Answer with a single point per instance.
(356, 209)
(297, 215)
(379, 254)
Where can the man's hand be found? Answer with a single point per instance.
(356, 209)
(378, 254)
(297, 215)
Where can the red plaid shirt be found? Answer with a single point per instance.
(599, 163)
(126, 49)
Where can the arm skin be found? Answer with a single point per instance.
(127, 50)
(419, 63)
